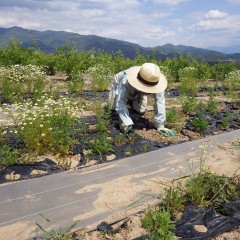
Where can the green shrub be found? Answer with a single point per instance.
(101, 144)
(18, 80)
(200, 123)
(188, 83)
(189, 104)
(45, 126)
(158, 224)
(101, 77)
(76, 82)
(232, 83)
(174, 119)
(206, 189)
(212, 105)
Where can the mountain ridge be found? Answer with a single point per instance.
(48, 41)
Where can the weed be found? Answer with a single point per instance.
(158, 224)
(61, 234)
(174, 199)
(101, 76)
(232, 83)
(206, 189)
(8, 155)
(64, 163)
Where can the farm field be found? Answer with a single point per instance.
(54, 118)
(97, 138)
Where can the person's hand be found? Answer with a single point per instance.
(126, 129)
(163, 130)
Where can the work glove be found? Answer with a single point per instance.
(163, 130)
(126, 129)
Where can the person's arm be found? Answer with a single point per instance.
(121, 103)
(160, 115)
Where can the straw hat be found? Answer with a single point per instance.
(147, 78)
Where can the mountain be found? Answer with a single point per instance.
(48, 41)
(227, 49)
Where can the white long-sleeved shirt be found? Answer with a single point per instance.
(122, 91)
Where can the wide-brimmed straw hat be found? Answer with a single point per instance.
(147, 78)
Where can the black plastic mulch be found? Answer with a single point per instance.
(214, 223)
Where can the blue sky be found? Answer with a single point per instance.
(199, 23)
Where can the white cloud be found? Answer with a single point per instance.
(215, 14)
(170, 2)
(234, 1)
(229, 23)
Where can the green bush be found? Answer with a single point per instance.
(188, 83)
(189, 104)
(101, 77)
(158, 224)
(8, 155)
(17, 80)
(45, 126)
(206, 189)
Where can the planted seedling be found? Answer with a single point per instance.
(119, 139)
(189, 104)
(102, 117)
(212, 105)
(76, 83)
(101, 144)
(175, 119)
(145, 147)
(200, 123)
(128, 150)
(225, 121)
